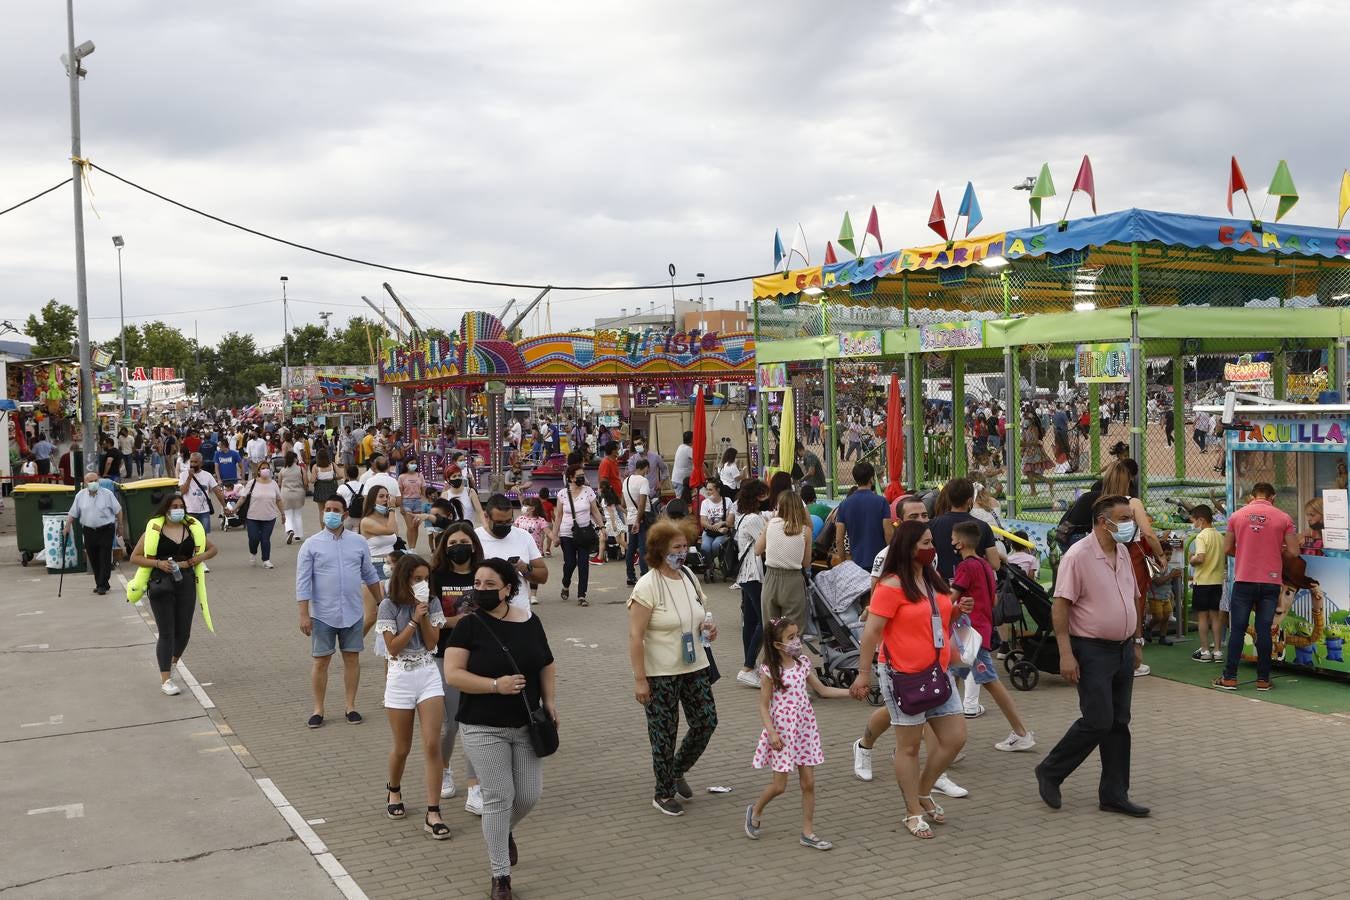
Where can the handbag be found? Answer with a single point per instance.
(543, 730)
(918, 692)
(241, 508)
(586, 537)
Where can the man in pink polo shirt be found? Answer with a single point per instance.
(1097, 629)
(1260, 538)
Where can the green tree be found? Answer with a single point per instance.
(135, 346)
(53, 329)
(166, 346)
(351, 345)
(236, 368)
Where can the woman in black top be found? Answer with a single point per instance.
(492, 714)
(456, 555)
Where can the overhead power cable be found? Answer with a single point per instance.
(455, 278)
(35, 197)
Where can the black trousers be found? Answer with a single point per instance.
(173, 606)
(1105, 686)
(98, 544)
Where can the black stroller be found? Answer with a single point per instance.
(836, 597)
(1034, 649)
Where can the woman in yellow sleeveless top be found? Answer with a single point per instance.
(171, 558)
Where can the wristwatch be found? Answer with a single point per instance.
(1139, 641)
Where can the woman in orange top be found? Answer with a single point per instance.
(900, 620)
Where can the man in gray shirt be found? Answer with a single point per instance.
(100, 514)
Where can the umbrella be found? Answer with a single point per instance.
(787, 433)
(700, 429)
(895, 433)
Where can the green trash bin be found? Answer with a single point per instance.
(140, 499)
(31, 503)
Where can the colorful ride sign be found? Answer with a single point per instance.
(1102, 363)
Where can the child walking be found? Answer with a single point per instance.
(974, 578)
(791, 739)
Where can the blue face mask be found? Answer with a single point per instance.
(381, 508)
(332, 520)
(1125, 532)
(177, 515)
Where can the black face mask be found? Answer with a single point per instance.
(501, 529)
(1315, 526)
(456, 482)
(459, 553)
(487, 601)
(579, 481)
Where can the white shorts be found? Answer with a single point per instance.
(406, 688)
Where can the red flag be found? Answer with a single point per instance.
(874, 230)
(1235, 183)
(697, 477)
(1085, 183)
(829, 254)
(937, 217)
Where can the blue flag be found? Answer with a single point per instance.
(970, 208)
(777, 249)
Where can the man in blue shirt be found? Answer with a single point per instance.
(862, 518)
(100, 514)
(208, 452)
(330, 573)
(43, 450)
(227, 466)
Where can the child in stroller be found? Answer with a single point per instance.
(229, 517)
(1035, 651)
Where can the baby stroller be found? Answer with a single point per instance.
(1033, 651)
(228, 519)
(836, 597)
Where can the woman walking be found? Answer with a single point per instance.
(293, 481)
(907, 600)
(670, 668)
(323, 476)
(576, 511)
(1035, 461)
(264, 505)
(379, 529)
(412, 488)
(730, 474)
(786, 548)
(496, 656)
(171, 557)
(750, 524)
(411, 625)
(456, 556)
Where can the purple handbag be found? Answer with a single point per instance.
(918, 692)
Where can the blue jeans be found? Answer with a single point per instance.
(712, 545)
(637, 552)
(260, 536)
(1248, 597)
(752, 629)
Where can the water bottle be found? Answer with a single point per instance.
(707, 624)
(174, 571)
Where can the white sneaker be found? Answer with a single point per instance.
(1142, 671)
(862, 762)
(534, 599)
(205, 567)
(749, 679)
(447, 785)
(945, 785)
(252, 560)
(974, 712)
(474, 802)
(1017, 742)
(267, 564)
(1217, 655)
(170, 688)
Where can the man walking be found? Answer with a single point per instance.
(329, 573)
(100, 514)
(636, 497)
(684, 466)
(1097, 628)
(861, 519)
(197, 488)
(43, 451)
(1260, 538)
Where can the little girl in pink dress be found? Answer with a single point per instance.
(790, 739)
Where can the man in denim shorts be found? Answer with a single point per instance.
(329, 574)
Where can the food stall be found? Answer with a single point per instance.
(1303, 451)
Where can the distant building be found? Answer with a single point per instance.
(686, 316)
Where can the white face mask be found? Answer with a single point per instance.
(421, 591)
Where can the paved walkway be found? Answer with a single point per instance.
(1246, 794)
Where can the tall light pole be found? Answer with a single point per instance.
(121, 318)
(285, 349)
(1027, 185)
(74, 71)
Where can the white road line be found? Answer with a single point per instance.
(33, 647)
(316, 821)
(72, 810)
(53, 720)
(36, 612)
(191, 681)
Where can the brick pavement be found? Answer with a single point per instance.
(1226, 776)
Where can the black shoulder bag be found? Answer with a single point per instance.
(543, 731)
(648, 517)
(586, 537)
(210, 507)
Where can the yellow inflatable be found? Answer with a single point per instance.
(137, 585)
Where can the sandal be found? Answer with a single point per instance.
(394, 810)
(937, 813)
(565, 593)
(919, 829)
(439, 831)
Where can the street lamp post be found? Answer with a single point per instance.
(74, 71)
(285, 349)
(121, 317)
(1028, 184)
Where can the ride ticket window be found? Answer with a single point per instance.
(1280, 468)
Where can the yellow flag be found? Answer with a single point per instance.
(1344, 205)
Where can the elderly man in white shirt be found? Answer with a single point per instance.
(100, 514)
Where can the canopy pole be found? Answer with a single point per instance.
(914, 370)
(1013, 442)
(1340, 380)
(828, 433)
(1094, 426)
(958, 415)
(1179, 414)
(1138, 415)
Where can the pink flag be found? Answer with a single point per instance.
(1084, 182)
(937, 217)
(874, 229)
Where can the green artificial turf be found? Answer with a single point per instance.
(1292, 687)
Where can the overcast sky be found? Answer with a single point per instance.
(596, 142)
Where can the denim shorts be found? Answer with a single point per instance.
(325, 639)
(952, 707)
(412, 505)
(984, 668)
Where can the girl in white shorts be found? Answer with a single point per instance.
(410, 627)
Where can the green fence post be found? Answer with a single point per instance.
(1014, 437)
(916, 422)
(1094, 426)
(958, 416)
(1138, 412)
(828, 431)
(1179, 414)
(1279, 372)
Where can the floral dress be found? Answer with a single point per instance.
(794, 720)
(537, 528)
(1035, 461)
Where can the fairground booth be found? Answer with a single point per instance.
(467, 379)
